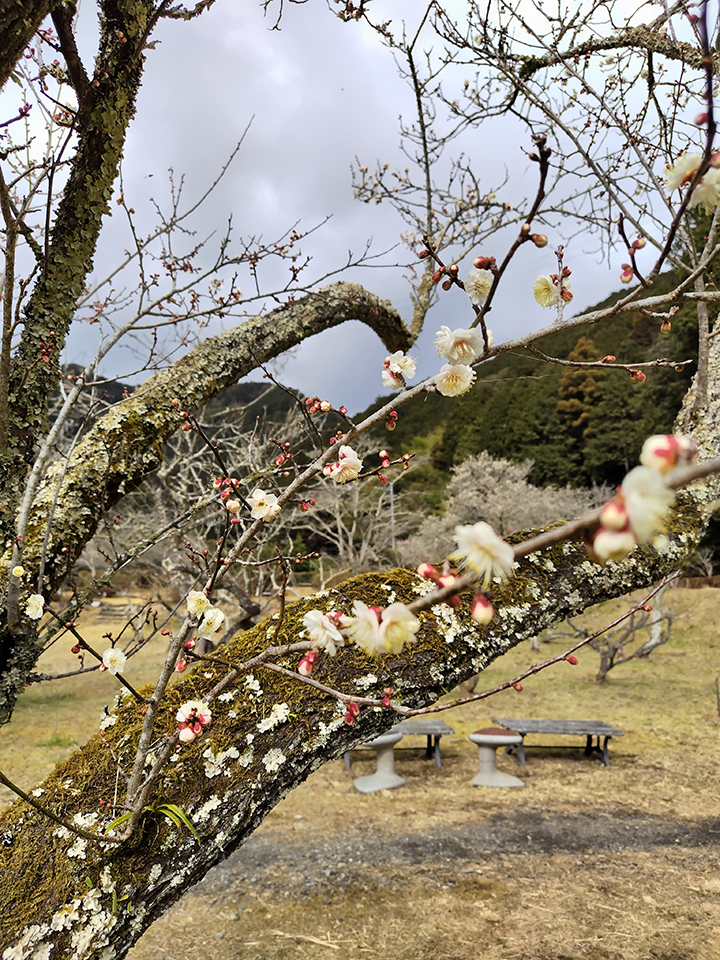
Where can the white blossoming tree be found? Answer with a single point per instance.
(85, 870)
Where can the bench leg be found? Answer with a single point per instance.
(589, 746)
(605, 757)
(429, 747)
(347, 759)
(438, 761)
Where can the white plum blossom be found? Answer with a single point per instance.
(18, 571)
(460, 346)
(35, 606)
(706, 194)
(477, 285)
(682, 171)
(398, 626)
(397, 366)
(192, 717)
(454, 379)
(114, 660)
(647, 498)
(197, 603)
(482, 550)
(264, 506)
(347, 467)
(380, 631)
(546, 292)
(213, 620)
(323, 632)
(216, 285)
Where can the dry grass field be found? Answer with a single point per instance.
(584, 863)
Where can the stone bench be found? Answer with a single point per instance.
(433, 730)
(565, 728)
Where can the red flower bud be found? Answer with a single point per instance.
(386, 701)
(181, 666)
(665, 326)
(75, 649)
(571, 659)
(446, 284)
(639, 243)
(517, 686)
(342, 411)
(637, 376)
(390, 424)
(483, 263)
(423, 254)
(608, 359)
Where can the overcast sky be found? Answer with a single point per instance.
(318, 92)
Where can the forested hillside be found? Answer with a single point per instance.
(577, 426)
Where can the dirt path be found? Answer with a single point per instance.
(270, 860)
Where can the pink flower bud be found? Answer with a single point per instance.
(482, 610)
(328, 468)
(614, 516)
(388, 691)
(639, 243)
(453, 270)
(312, 502)
(566, 294)
(185, 426)
(225, 494)
(517, 686)
(437, 276)
(191, 644)
(627, 273)
(75, 649)
(608, 359)
(385, 463)
(307, 664)
(571, 659)
(539, 239)
(700, 119)
(647, 607)
(181, 666)
(390, 424)
(217, 483)
(187, 735)
(304, 506)
(383, 455)
(353, 708)
(349, 718)
(232, 506)
(342, 411)
(665, 326)
(637, 376)
(164, 633)
(382, 478)
(428, 572)
(446, 284)
(280, 460)
(423, 254)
